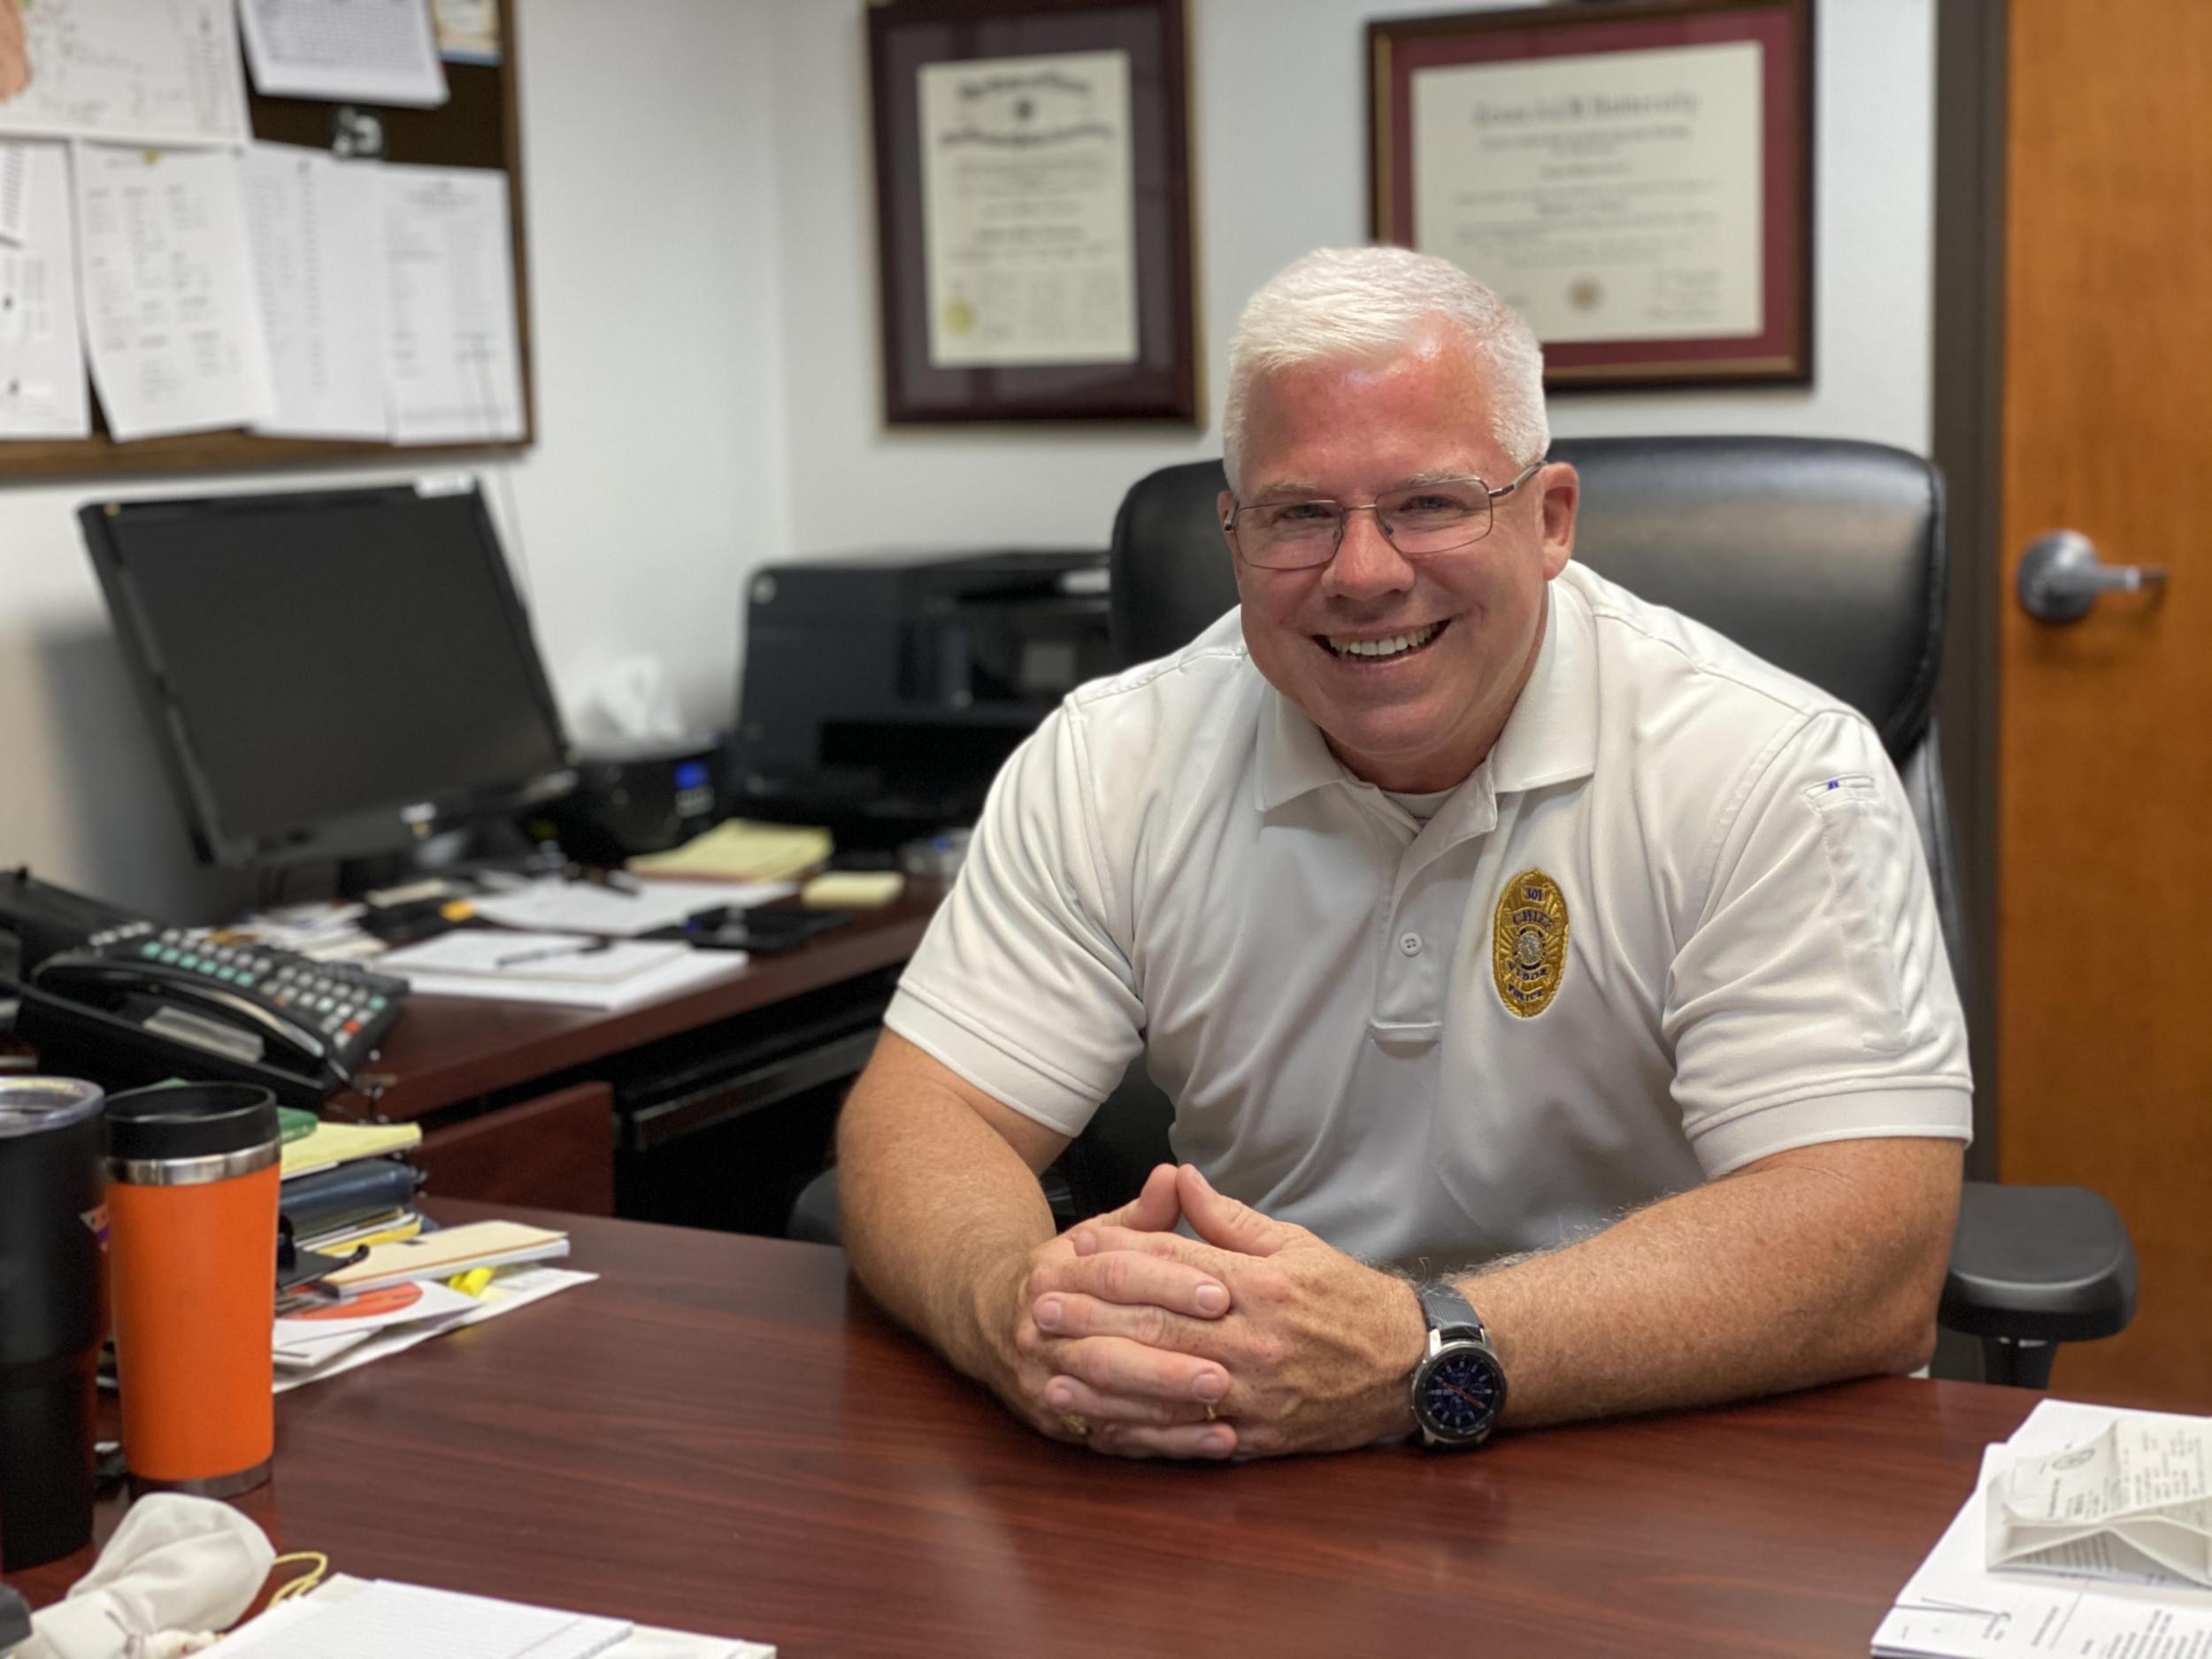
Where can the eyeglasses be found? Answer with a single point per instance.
(1418, 520)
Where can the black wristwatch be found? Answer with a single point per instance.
(1459, 1386)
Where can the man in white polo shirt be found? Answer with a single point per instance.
(1550, 992)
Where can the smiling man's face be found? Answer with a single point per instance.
(1461, 628)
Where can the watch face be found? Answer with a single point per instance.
(1460, 1393)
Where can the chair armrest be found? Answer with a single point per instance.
(2038, 1263)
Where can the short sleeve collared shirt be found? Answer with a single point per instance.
(1676, 921)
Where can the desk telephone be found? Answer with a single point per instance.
(134, 1000)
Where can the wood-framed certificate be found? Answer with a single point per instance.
(1636, 181)
(1032, 194)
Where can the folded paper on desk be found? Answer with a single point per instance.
(2134, 1499)
(1986, 1592)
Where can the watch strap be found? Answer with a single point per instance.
(1450, 1312)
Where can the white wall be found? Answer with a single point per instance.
(702, 257)
(658, 471)
(1280, 152)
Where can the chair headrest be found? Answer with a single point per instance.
(1825, 556)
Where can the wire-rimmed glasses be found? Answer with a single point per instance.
(1418, 519)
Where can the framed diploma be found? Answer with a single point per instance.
(1635, 180)
(1032, 193)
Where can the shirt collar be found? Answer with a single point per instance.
(1550, 737)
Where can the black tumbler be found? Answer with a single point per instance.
(53, 1219)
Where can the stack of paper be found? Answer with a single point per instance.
(625, 912)
(310, 1354)
(575, 968)
(393, 1298)
(739, 849)
(383, 1618)
(430, 1622)
(314, 1336)
(2049, 1554)
(346, 1185)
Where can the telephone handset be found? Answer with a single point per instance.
(174, 998)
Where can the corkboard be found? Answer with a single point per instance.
(478, 126)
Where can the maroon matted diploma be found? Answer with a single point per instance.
(1636, 181)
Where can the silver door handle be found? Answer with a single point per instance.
(2060, 576)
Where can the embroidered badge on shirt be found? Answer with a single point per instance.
(1528, 944)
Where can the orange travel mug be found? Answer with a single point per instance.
(192, 1216)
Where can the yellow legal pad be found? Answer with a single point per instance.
(740, 850)
(852, 889)
(335, 1143)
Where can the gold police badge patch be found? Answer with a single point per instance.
(1528, 944)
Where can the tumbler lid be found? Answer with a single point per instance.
(29, 1104)
(191, 1120)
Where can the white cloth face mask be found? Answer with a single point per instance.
(177, 1568)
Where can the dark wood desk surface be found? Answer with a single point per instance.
(722, 1435)
(446, 1049)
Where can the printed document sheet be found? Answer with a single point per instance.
(266, 1637)
(1967, 1601)
(376, 51)
(170, 312)
(317, 234)
(386, 1619)
(149, 72)
(43, 392)
(452, 365)
(15, 193)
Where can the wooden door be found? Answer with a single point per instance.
(2104, 1011)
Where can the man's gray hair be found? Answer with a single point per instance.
(1365, 303)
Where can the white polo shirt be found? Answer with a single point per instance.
(1676, 921)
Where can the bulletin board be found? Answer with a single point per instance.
(478, 126)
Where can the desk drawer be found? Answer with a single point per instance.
(556, 1152)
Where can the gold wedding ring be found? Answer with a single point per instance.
(1210, 1412)
(1075, 1425)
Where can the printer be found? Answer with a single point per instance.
(882, 691)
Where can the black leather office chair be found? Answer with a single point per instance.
(1828, 559)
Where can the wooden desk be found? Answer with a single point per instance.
(721, 1435)
(517, 1098)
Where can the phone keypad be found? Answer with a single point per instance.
(348, 1008)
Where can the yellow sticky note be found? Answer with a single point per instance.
(853, 890)
(470, 1283)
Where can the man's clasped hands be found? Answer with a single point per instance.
(1253, 1339)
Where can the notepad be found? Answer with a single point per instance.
(449, 1251)
(852, 890)
(331, 1144)
(387, 1619)
(739, 849)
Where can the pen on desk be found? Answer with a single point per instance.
(552, 951)
(619, 880)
